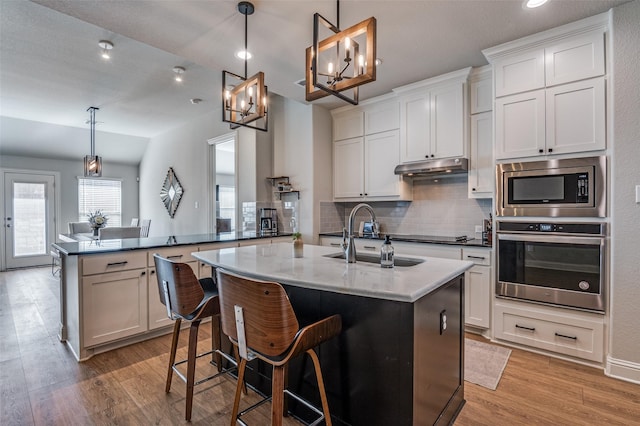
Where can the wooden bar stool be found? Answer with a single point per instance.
(258, 318)
(193, 300)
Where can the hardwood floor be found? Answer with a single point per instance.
(42, 384)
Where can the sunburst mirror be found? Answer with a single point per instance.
(171, 192)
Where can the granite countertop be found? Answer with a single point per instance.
(428, 239)
(107, 246)
(275, 262)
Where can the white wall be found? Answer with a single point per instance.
(625, 212)
(69, 171)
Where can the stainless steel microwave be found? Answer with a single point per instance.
(554, 188)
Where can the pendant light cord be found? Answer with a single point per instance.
(246, 47)
(92, 112)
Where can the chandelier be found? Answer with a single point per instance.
(342, 61)
(244, 100)
(93, 163)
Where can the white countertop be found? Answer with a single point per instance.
(275, 262)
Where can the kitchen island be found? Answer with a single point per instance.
(109, 292)
(399, 359)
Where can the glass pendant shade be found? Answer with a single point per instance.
(92, 166)
(342, 61)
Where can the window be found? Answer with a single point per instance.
(100, 194)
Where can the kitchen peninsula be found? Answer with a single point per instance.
(399, 359)
(108, 289)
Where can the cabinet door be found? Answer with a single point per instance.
(577, 59)
(348, 172)
(415, 133)
(447, 121)
(348, 124)
(114, 306)
(520, 126)
(157, 311)
(481, 96)
(519, 73)
(382, 155)
(481, 170)
(576, 117)
(477, 306)
(381, 117)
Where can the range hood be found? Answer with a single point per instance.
(432, 168)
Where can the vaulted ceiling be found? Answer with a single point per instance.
(51, 70)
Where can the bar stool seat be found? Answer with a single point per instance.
(258, 318)
(189, 299)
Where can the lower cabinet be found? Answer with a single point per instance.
(477, 296)
(563, 331)
(114, 305)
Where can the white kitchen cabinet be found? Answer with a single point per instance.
(520, 125)
(481, 167)
(519, 73)
(557, 330)
(381, 116)
(432, 123)
(578, 58)
(348, 124)
(481, 95)
(478, 287)
(575, 117)
(364, 168)
(114, 306)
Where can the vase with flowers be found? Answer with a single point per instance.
(298, 246)
(97, 220)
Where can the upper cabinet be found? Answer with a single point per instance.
(433, 118)
(366, 150)
(481, 162)
(550, 91)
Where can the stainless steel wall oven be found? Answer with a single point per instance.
(555, 263)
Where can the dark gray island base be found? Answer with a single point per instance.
(395, 362)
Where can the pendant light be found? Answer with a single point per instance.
(344, 60)
(93, 163)
(244, 100)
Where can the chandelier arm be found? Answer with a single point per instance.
(344, 69)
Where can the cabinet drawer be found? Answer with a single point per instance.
(477, 255)
(565, 334)
(176, 254)
(123, 261)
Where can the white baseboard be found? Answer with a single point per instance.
(623, 370)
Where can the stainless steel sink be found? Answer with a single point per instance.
(372, 258)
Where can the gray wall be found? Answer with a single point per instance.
(69, 171)
(625, 212)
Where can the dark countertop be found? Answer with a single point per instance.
(428, 239)
(109, 246)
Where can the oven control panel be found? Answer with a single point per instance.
(552, 227)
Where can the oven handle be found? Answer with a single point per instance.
(552, 239)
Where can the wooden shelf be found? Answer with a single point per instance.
(274, 180)
(280, 193)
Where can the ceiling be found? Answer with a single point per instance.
(51, 70)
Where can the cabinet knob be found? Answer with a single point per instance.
(432, 155)
(550, 149)
(473, 189)
(361, 194)
(365, 194)
(541, 151)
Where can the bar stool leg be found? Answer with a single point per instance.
(191, 366)
(277, 395)
(239, 389)
(323, 395)
(216, 342)
(172, 354)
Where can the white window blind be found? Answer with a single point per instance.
(227, 204)
(100, 194)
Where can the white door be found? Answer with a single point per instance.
(382, 153)
(348, 172)
(447, 121)
(29, 218)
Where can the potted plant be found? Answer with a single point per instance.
(297, 244)
(97, 220)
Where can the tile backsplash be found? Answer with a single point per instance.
(440, 208)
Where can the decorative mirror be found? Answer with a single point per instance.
(171, 192)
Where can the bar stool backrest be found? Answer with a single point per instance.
(270, 323)
(177, 282)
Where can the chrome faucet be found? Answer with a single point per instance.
(348, 245)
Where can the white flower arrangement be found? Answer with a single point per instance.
(97, 219)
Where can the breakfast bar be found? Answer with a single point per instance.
(399, 359)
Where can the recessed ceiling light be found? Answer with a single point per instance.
(195, 101)
(243, 54)
(178, 71)
(534, 3)
(106, 46)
